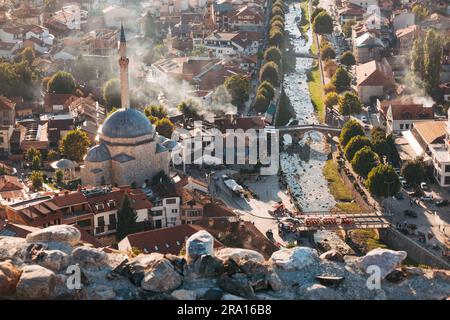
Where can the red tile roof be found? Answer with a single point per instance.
(375, 73)
(411, 112)
(166, 240)
(5, 103)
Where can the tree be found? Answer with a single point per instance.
(364, 161)
(27, 54)
(52, 155)
(377, 133)
(347, 28)
(420, 11)
(341, 80)
(276, 37)
(327, 52)
(36, 163)
(330, 67)
(74, 145)
(331, 99)
(277, 24)
(383, 145)
(61, 82)
(269, 72)
(383, 181)
(266, 89)
(315, 13)
(323, 23)
(277, 18)
(417, 56)
(350, 104)
(273, 54)
(432, 62)
(351, 129)
(59, 175)
(32, 153)
(160, 177)
(277, 11)
(126, 219)
(354, 145)
(239, 88)
(348, 59)
(155, 111)
(413, 171)
(261, 103)
(189, 109)
(37, 180)
(151, 28)
(165, 127)
(111, 93)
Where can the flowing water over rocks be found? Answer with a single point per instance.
(303, 164)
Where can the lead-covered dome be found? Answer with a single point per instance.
(126, 123)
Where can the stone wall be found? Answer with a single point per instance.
(396, 240)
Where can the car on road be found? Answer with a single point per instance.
(366, 127)
(423, 186)
(442, 203)
(426, 198)
(364, 119)
(410, 213)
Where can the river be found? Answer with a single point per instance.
(303, 167)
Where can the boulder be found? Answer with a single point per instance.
(200, 243)
(160, 276)
(11, 247)
(177, 261)
(58, 233)
(274, 281)
(102, 292)
(228, 296)
(184, 294)
(55, 260)
(253, 267)
(318, 292)
(9, 277)
(238, 255)
(294, 259)
(231, 267)
(240, 287)
(212, 294)
(135, 269)
(89, 257)
(209, 266)
(332, 255)
(387, 260)
(258, 281)
(36, 282)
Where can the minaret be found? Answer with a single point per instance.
(123, 63)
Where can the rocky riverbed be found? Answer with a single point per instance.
(41, 267)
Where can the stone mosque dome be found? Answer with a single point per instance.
(127, 123)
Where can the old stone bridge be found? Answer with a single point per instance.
(297, 131)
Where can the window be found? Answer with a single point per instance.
(101, 221)
(447, 180)
(1, 139)
(401, 126)
(112, 221)
(406, 126)
(171, 201)
(447, 168)
(174, 210)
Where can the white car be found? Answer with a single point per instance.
(364, 119)
(423, 186)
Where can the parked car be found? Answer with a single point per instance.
(426, 198)
(423, 186)
(364, 119)
(366, 127)
(442, 203)
(410, 213)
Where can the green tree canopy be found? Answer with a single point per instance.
(36, 163)
(273, 54)
(59, 175)
(278, 18)
(276, 37)
(61, 82)
(323, 23)
(432, 63)
(269, 72)
(155, 111)
(420, 11)
(331, 99)
(413, 171)
(418, 57)
(74, 145)
(347, 28)
(190, 109)
(266, 89)
(354, 145)
(261, 103)
(239, 88)
(277, 11)
(111, 93)
(327, 52)
(52, 155)
(37, 180)
(351, 129)
(126, 220)
(316, 12)
(341, 80)
(348, 59)
(383, 181)
(364, 161)
(165, 127)
(27, 54)
(32, 153)
(350, 104)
